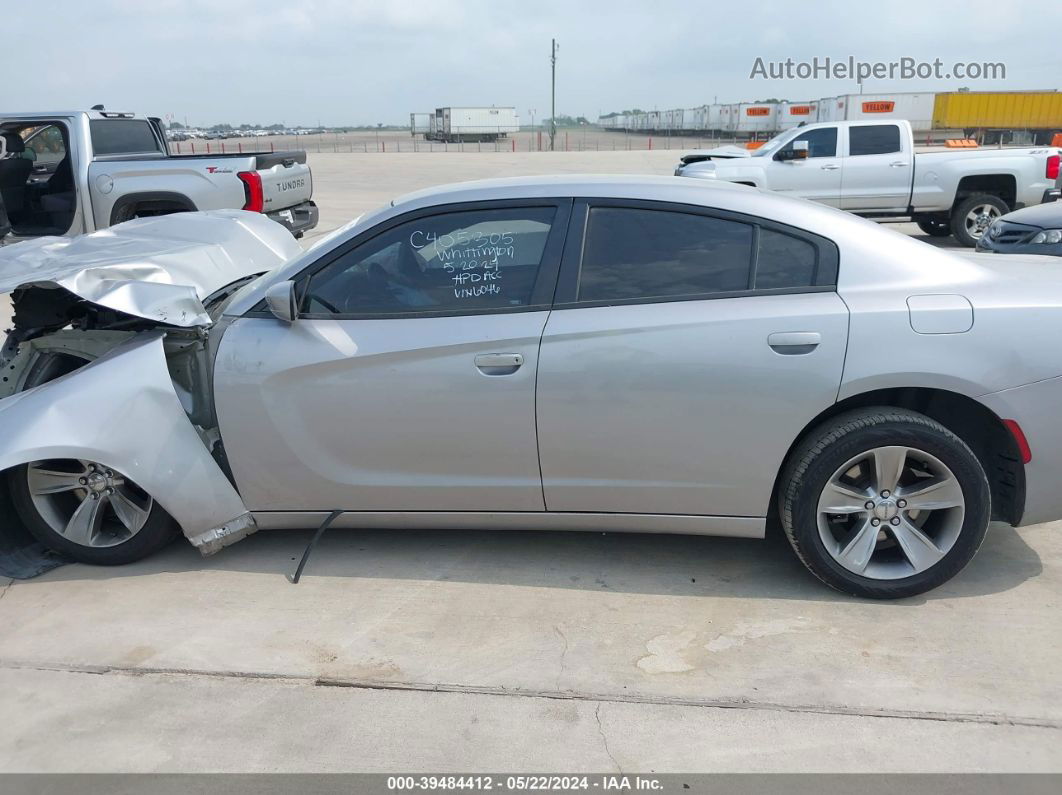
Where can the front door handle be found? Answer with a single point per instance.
(790, 343)
(499, 363)
(830, 167)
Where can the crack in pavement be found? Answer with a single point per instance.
(564, 654)
(604, 739)
(6, 588)
(561, 695)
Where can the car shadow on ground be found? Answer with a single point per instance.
(627, 563)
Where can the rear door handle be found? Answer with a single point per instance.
(898, 164)
(830, 167)
(499, 363)
(790, 343)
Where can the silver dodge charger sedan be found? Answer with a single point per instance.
(570, 353)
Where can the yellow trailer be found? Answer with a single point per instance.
(998, 110)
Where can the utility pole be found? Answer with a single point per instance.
(553, 94)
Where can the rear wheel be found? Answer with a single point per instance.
(971, 217)
(884, 503)
(89, 511)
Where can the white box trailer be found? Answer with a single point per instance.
(756, 118)
(916, 108)
(713, 117)
(791, 114)
(655, 121)
(420, 123)
(827, 110)
(730, 117)
(699, 120)
(455, 124)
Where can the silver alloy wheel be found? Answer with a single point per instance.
(890, 512)
(87, 503)
(980, 218)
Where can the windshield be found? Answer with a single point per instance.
(771, 145)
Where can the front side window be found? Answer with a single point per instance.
(462, 261)
(821, 142)
(633, 253)
(873, 139)
(45, 145)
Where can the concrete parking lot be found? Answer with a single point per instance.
(474, 651)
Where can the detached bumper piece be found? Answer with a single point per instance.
(297, 219)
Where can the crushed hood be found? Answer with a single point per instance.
(725, 152)
(159, 268)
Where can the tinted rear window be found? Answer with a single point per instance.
(877, 139)
(122, 137)
(785, 261)
(637, 254)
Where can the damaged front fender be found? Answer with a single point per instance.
(122, 411)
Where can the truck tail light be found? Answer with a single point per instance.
(1019, 438)
(1052, 166)
(252, 191)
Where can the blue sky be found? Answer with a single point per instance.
(354, 62)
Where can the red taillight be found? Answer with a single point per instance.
(252, 191)
(1019, 437)
(1052, 166)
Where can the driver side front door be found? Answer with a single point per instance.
(408, 381)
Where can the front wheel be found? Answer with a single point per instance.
(972, 216)
(884, 503)
(89, 512)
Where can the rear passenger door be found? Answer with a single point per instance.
(878, 169)
(686, 351)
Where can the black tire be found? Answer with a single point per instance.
(935, 228)
(830, 446)
(963, 208)
(157, 532)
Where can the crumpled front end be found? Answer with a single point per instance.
(122, 410)
(109, 356)
(157, 269)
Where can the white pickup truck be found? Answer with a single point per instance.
(872, 169)
(72, 172)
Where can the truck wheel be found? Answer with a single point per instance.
(971, 217)
(935, 228)
(884, 503)
(89, 512)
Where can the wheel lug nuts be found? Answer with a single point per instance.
(895, 520)
(95, 496)
(875, 522)
(83, 481)
(109, 491)
(869, 505)
(901, 503)
(885, 493)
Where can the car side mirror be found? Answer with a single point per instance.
(280, 298)
(798, 151)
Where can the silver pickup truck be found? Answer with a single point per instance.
(68, 173)
(872, 169)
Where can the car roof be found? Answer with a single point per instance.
(563, 185)
(713, 194)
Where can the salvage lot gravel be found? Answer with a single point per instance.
(472, 651)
